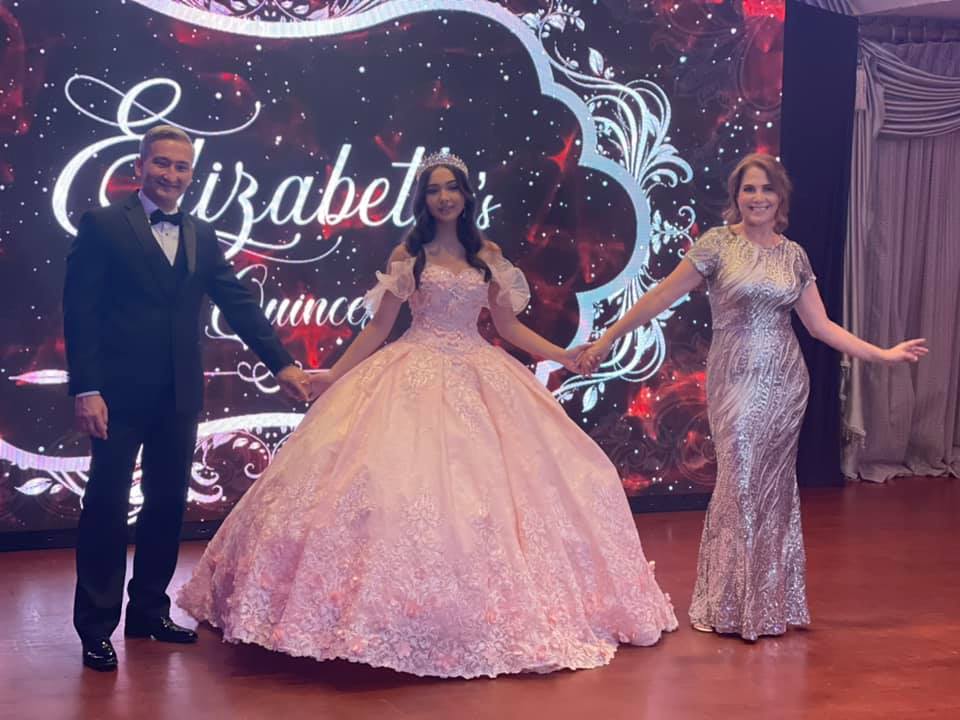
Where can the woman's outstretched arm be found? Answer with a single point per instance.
(682, 280)
(814, 317)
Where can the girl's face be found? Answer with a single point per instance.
(444, 196)
(757, 201)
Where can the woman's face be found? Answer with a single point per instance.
(444, 196)
(757, 201)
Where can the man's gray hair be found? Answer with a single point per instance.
(162, 132)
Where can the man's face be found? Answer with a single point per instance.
(166, 172)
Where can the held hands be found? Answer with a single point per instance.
(320, 380)
(593, 354)
(298, 385)
(907, 351)
(91, 415)
(295, 383)
(570, 358)
(584, 359)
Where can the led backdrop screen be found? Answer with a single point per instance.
(599, 134)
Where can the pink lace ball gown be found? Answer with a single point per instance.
(436, 512)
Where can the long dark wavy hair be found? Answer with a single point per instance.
(424, 228)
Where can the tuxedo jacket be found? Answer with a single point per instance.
(133, 321)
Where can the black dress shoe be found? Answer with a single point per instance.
(99, 655)
(162, 628)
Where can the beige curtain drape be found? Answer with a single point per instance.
(902, 262)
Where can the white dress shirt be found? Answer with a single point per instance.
(167, 234)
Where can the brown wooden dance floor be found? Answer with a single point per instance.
(884, 582)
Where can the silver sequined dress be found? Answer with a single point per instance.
(750, 572)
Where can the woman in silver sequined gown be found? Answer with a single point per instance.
(750, 572)
(750, 577)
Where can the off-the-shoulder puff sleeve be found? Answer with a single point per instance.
(705, 253)
(513, 290)
(398, 280)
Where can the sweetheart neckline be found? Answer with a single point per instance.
(449, 271)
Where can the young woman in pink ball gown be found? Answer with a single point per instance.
(436, 511)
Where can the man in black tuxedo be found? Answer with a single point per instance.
(136, 278)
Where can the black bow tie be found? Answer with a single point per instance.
(158, 216)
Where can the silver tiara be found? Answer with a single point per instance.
(441, 158)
